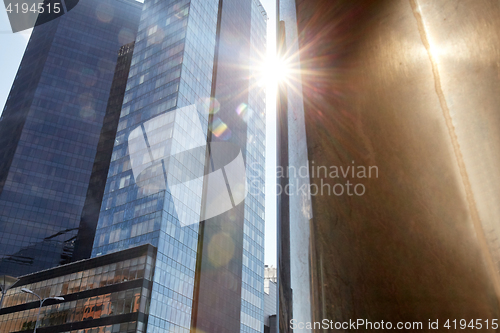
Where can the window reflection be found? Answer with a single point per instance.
(96, 307)
(110, 304)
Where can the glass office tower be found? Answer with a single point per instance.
(193, 81)
(90, 213)
(50, 128)
(252, 308)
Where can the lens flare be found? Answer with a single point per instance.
(244, 112)
(220, 129)
(274, 71)
(241, 109)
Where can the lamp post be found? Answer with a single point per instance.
(25, 290)
(6, 282)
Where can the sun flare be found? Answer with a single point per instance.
(274, 71)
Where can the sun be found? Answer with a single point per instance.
(274, 71)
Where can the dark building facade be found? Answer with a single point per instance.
(283, 199)
(403, 88)
(108, 294)
(95, 192)
(49, 131)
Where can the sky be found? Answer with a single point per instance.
(270, 256)
(10, 56)
(12, 53)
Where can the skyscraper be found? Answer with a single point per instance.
(294, 200)
(404, 89)
(49, 130)
(92, 207)
(270, 299)
(193, 80)
(285, 303)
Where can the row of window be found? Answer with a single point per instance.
(111, 304)
(102, 276)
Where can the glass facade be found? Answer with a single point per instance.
(96, 307)
(50, 127)
(95, 192)
(252, 288)
(174, 37)
(107, 294)
(191, 55)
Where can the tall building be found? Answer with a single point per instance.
(92, 206)
(285, 300)
(193, 80)
(252, 306)
(294, 218)
(404, 89)
(270, 299)
(49, 130)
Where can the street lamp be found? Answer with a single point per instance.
(6, 282)
(25, 290)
